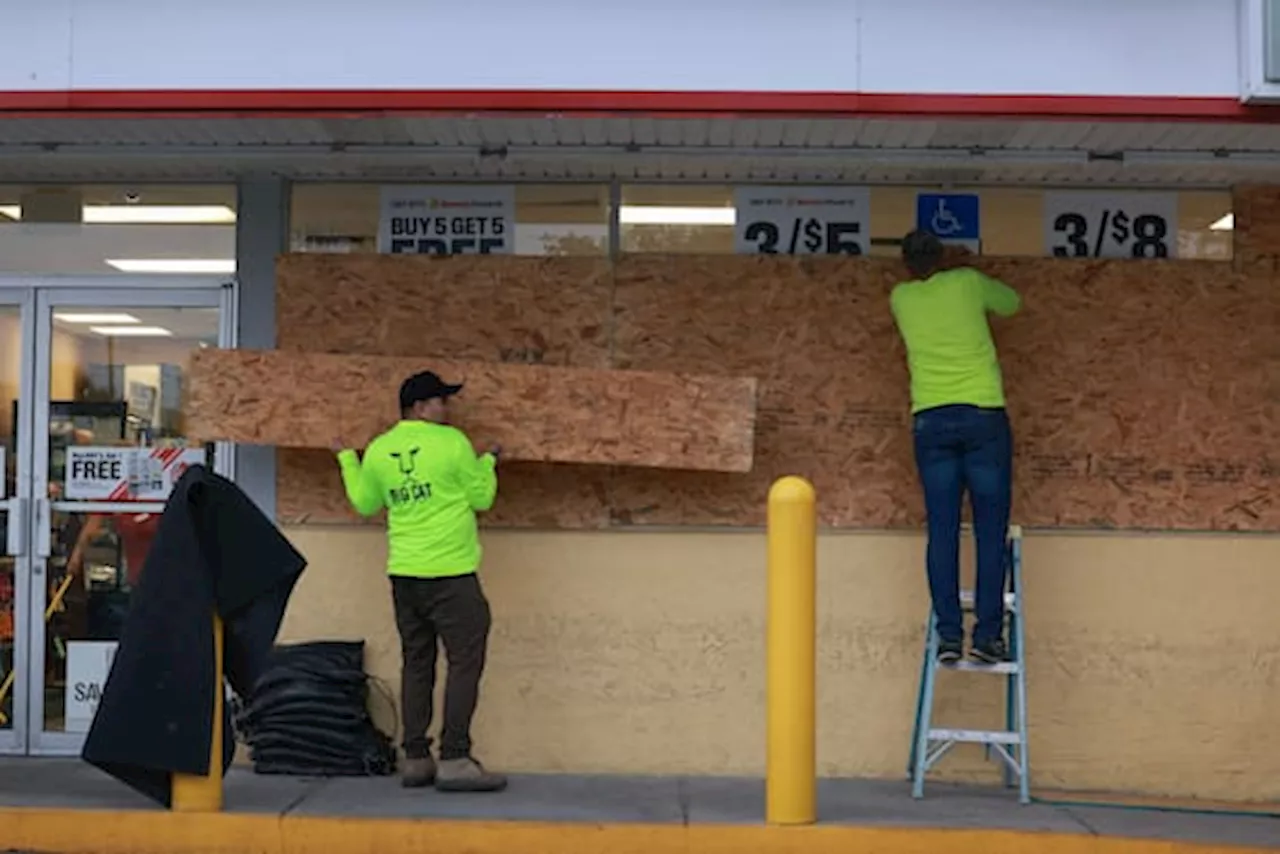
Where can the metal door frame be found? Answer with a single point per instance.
(44, 294)
(14, 740)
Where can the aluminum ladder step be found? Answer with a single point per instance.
(1005, 668)
(967, 600)
(975, 736)
(929, 743)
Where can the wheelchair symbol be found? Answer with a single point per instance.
(944, 222)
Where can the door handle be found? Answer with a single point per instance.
(44, 521)
(19, 525)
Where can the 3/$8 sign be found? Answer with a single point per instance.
(1084, 224)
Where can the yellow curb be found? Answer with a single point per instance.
(1108, 799)
(64, 831)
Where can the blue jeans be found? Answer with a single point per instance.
(961, 448)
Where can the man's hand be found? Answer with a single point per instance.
(496, 450)
(338, 445)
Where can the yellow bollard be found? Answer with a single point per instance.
(203, 792)
(790, 671)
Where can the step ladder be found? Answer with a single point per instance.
(928, 745)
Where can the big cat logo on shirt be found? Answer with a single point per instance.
(406, 461)
(411, 490)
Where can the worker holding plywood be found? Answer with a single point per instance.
(432, 483)
(961, 434)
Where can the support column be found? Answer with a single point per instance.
(262, 233)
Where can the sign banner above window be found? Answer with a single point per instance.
(457, 219)
(1091, 224)
(783, 220)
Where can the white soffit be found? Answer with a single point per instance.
(996, 151)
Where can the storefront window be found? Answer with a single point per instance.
(550, 219)
(699, 219)
(677, 219)
(122, 228)
(115, 398)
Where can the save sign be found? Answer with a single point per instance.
(88, 664)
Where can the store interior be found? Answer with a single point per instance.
(117, 379)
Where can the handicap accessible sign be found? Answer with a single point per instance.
(954, 217)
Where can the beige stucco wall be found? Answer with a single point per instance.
(1153, 660)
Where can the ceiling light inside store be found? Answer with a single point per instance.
(659, 215)
(90, 317)
(132, 331)
(1226, 223)
(173, 265)
(145, 214)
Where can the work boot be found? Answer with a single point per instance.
(993, 651)
(950, 652)
(467, 775)
(417, 773)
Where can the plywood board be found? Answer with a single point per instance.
(513, 310)
(536, 412)
(1256, 229)
(552, 311)
(833, 399)
(1142, 394)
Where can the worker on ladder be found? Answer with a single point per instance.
(961, 432)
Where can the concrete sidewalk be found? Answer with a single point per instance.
(66, 784)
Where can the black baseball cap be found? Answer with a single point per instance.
(425, 386)
(922, 243)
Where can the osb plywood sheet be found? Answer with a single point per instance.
(1141, 393)
(530, 495)
(516, 310)
(538, 310)
(538, 413)
(1256, 230)
(833, 400)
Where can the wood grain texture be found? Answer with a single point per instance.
(537, 413)
(551, 311)
(1142, 393)
(1256, 231)
(513, 310)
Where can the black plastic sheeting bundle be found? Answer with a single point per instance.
(309, 716)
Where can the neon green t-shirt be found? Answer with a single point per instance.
(431, 483)
(943, 320)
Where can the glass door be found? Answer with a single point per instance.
(109, 383)
(16, 349)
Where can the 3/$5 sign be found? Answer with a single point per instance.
(785, 220)
(458, 219)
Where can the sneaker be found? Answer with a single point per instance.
(950, 652)
(417, 773)
(990, 652)
(467, 775)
